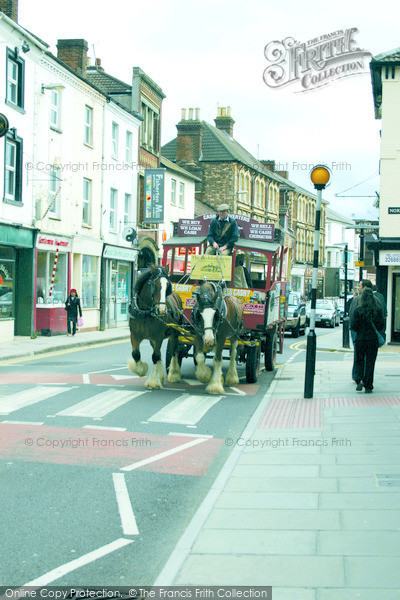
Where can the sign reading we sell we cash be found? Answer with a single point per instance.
(248, 228)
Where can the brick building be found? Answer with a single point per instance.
(229, 173)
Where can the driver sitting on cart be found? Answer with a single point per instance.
(223, 232)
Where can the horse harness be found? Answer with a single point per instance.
(206, 300)
(135, 311)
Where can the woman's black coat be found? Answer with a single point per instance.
(73, 308)
(363, 327)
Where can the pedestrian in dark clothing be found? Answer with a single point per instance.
(73, 307)
(364, 283)
(367, 311)
(223, 232)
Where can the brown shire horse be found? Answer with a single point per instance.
(216, 319)
(154, 304)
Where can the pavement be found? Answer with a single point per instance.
(308, 501)
(23, 346)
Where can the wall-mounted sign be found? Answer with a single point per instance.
(52, 242)
(394, 210)
(154, 195)
(4, 125)
(119, 253)
(389, 257)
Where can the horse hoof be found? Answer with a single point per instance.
(215, 388)
(231, 380)
(203, 374)
(152, 384)
(174, 377)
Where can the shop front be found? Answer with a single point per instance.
(389, 261)
(53, 277)
(116, 283)
(16, 281)
(297, 278)
(308, 283)
(85, 278)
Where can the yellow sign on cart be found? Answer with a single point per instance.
(210, 266)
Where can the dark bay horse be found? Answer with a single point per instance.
(216, 319)
(153, 306)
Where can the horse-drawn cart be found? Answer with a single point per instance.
(258, 251)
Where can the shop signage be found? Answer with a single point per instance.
(210, 266)
(309, 270)
(119, 253)
(350, 273)
(154, 195)
(51, 242)
(389, 257)
(297, 271)
(394, 210)
(249, 229)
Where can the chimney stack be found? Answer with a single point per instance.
(74, 54)
(269, 164)
(10, 9)
(284, 174)
(190, 137)
(98, 64)
(224, 121)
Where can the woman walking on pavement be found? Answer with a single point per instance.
(72, 306)
(368, 311)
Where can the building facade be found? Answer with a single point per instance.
(385, 74)
(340, 231)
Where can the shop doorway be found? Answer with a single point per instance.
(396, 308)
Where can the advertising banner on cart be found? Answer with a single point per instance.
(154, 195)
(249, 229)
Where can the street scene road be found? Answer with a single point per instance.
(83, 442)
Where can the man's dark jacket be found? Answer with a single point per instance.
(229, 238)
(73, 308)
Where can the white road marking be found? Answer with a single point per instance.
(202, 435)
(78, 562)
(240, 392)
(151, 459)
(86, 377)
(104, 427)
(192, 382)
(14, 402)
(186, 410)
(130, 376)
(22, 422)
(129, 526)
(101, 404)
(107, 370)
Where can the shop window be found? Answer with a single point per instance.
(89, 281)
(15, 79)
(7, 270)
(45, 265)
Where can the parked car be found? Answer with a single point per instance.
(340, 302)
(327, 312)
(296, 320)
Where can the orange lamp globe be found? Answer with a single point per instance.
(320, 175)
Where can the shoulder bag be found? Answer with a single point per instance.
(381, 339)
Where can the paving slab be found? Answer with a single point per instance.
(276, 471)
(267, 500)
(308, 520)
(361, 500)
(279, 593)
(285, 458)
(230, 541)
(355, 470)
(374, 571)
(359, 543)
(382, 458)
(379, 519)
(280, 570)
(364, 484)
(282, 484)
(357, 594)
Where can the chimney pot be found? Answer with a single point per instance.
(228, 111)
(224, 121)
(190, 114)
(197, 114)
(183, 111)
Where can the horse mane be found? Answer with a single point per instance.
(145, 276)
(141, 280)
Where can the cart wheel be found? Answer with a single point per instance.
(270, 351)
(168, 355)
(253, 364)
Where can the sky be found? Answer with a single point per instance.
(211, 53)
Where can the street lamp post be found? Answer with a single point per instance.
(320, 176)
(346, 320)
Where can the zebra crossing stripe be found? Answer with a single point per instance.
(14, 402)
(101, 404)
(185, 410)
